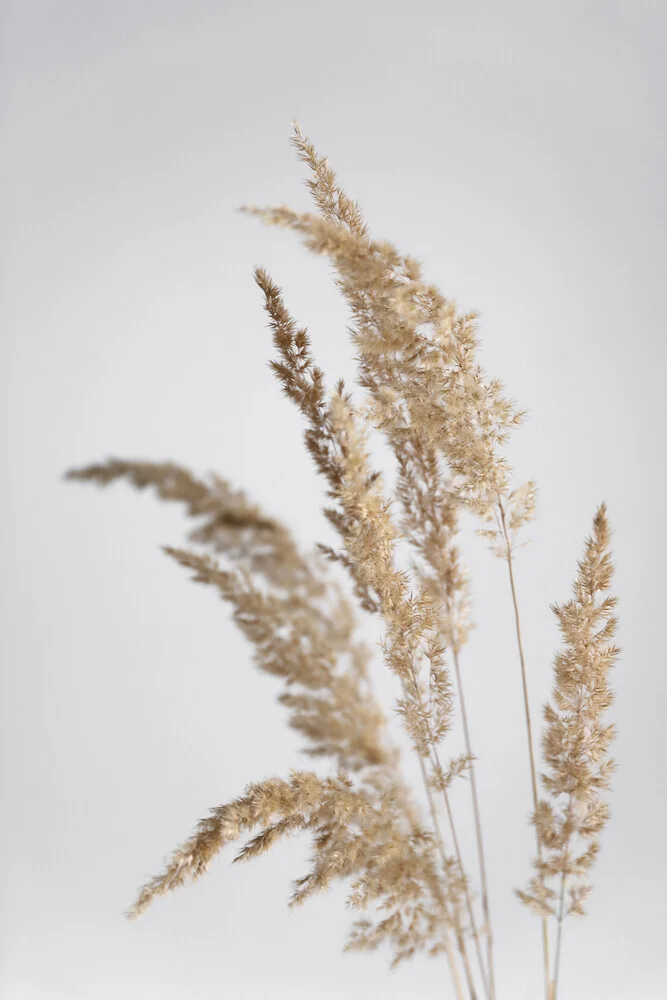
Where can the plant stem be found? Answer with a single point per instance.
(458, 986)
(529, 732)
(460, 940)
(559, 935)
(563, 880)
(471, 915)
(434, 759)
(478, 826)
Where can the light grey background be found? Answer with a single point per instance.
(517, 149)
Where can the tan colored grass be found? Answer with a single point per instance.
(575, 741)
(446, 423)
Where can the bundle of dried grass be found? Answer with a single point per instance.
(446, 423)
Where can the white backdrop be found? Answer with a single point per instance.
(517, 149)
